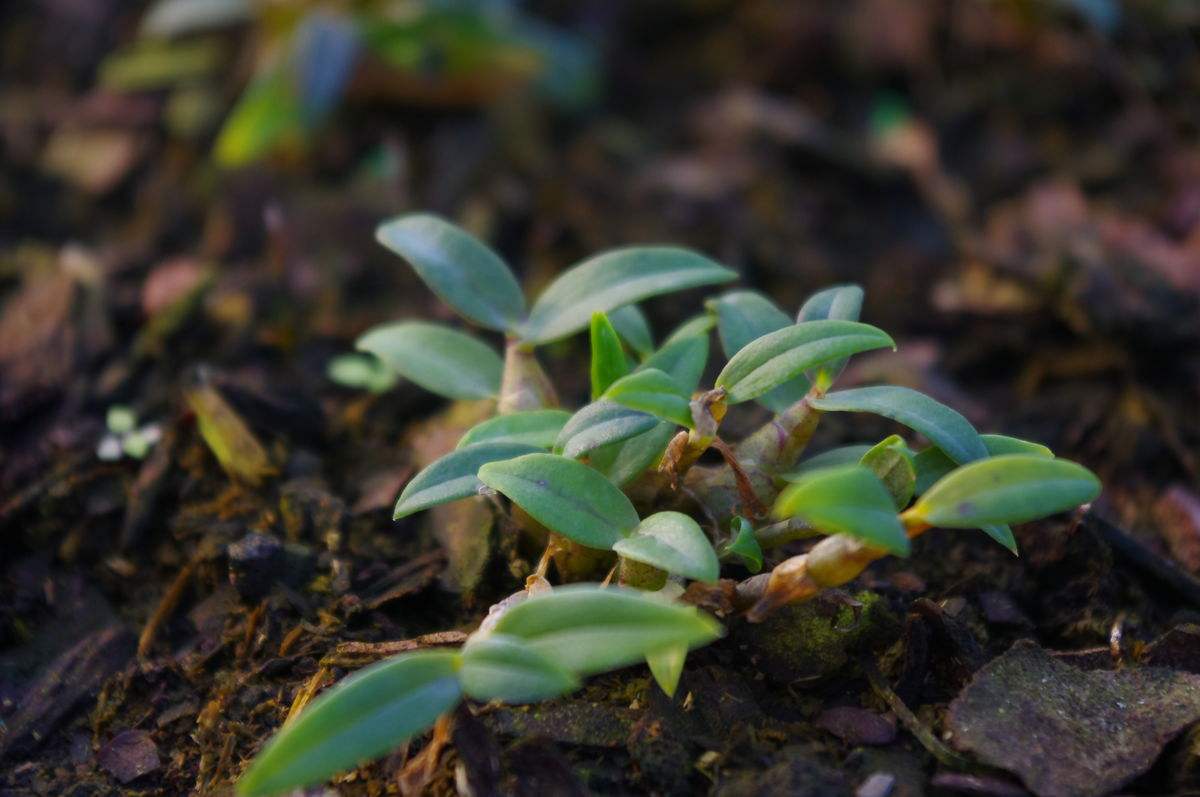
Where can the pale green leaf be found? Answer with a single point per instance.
(653, 391)
(841, 302)
(666, 665)
(609, 362)
(848, 499)
(612, 279)
(441, 360)
(509, 669)
(622, 462)
(698, 326)
(684, 360)
(631, 324)
(458, 267)
(361, 371)
(932, 464)
(565, 496)
(601, 423)
(744, 545)
(538, 428)
(453, 476)
(742, 318)
(673, 542)
(842, 455)
(892, 462)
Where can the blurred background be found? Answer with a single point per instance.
(195, 183)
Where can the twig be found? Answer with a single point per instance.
(164, 609)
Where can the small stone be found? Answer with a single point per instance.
(1178, 515)
(129, 755)
(857, 726)
(255, 562)
(878, 784)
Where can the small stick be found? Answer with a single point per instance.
(306, 693)
(164, 609)
(923, 734)
(750, 499)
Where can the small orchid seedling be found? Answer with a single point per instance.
(615, 489)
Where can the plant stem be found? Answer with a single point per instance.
(523, 383)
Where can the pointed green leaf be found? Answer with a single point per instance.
(589, 629)
(650, 390)
(1011, 488)
(848, 499)
(441, 360)
(453, 476)
(744, 545)
(892, 462)
(842, 455)
(630, 323)
(673, 542)
(776, 358)
(361, 371)
(666, 665)
(622, 462)
(601, 423)
(945, 428)
(1001, 534)
(612, 279)
(699, 326)
(509, 669)
(684, 360)
(538, 428)
(368, 714)
(564, 496)
(932, 464)
(458, 267)
(608, 355)
(742, 318)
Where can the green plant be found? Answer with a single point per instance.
(616, 487)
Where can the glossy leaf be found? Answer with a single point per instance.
(653, 391)
(1011, 488)
(509, 669)
(601, 423)
(776, 358)
(613, 279)
(848, 499)
(564, 496)
(892, 462)
(842, 455)
(458, 267)
(368, 714)
(453, 476)
(666, 665)
(944, 427)
(932, 464)
(744, 317)
(589, 629)
(608, 355)
(744, 545)
(538, 428)
(631, 324)
(673, 542)
(684, 360)
(622, 462)
(441, 360)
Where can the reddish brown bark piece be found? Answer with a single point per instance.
(1065, 731)
(129, 755)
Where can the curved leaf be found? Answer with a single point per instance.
(362, 371)
(892, 462)
(673, 542)
(612, 279)
(453, 476)
(458, 267)
(441, 360)
(842, 455)
(538, 428)
(698, 326)
(776, 358)
(368, 714)
(653, 391)
(683, 360)
(842, 302)
(589, 629)
(631, 324)
(850, 500)
(608, 355)
(622, 462)
(564, 496)
(506, 668)
(932, 464)
(1011, 488)
(945, 428)
(742, 318)
(601, 423)
(744, 545)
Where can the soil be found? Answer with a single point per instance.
(1017, 186)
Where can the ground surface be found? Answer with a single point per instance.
(1016, 185)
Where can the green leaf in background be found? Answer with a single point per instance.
(842, 455)
(945, 428)
(538, 428)
(453, 476)
(631, 324)
(368, 714)
(699, 326)
(653, 391)
(170, 18)
(666, 665)
(673, 542)
(744, 545)
(362, 372)
(744, 317)
(441, 360)
(589, 629)
(564, 496)
(683, 359)
(776, 358)
(507, 668)
(841, 302)
(932, 464)
(848, 499)
(622, 462)
(1011, 488)
(267, 115)
(601, 423)
(608, 355)
(892, 462)
(151, 65)
(458, 267)
(612, 279)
